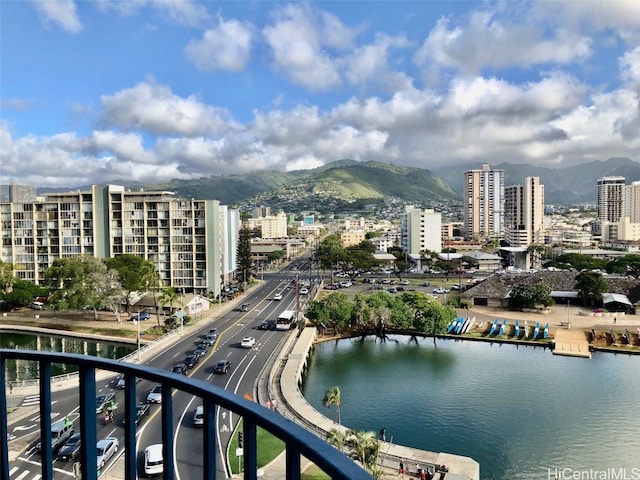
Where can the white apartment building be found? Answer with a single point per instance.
(421, 230)
(524, 213)
(188, 240)
(272, 226)
(631, 202)
(610, 198)
(483, 202)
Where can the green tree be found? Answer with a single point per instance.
(7, 276)
(152, 280)
(243, 251)
(108, 291)
(169, 297)
(363, 448)
(72, 282)
(625, 265)
(21, 294)
(530, 295)
(276, 255)
(591, 285)
(332, 398)
(134, 273)
(340, 308)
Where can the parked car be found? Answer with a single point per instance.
(106, 447)
(441, 290)
(179, 368)
(71, 449)
(103, 401)
(191, 360)
(141, 316)
(222, 366)
(405, 282)
(155, 395)
(455, 287)
(248, 342)
(277, 296)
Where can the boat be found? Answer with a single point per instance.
(517, 334)
(546, 331)
(461, 323)
(452, 325)
(536, 330)
(469, 325)
(493, 327)
(504, 324)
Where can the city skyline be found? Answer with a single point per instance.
(96, 92)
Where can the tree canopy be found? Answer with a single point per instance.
(380, 312)
(591, 285)
(526, 295)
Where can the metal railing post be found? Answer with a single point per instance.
(130, 426)
(88, 427)
(46, 450)
(4, 428)
(167, 432)
(209, 454)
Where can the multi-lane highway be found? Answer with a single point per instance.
(246, 366)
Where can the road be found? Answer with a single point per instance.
(246, 367)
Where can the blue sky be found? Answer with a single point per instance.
(152, 90)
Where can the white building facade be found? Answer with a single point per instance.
(183, 238)
(483, 202)
(524, 213)
(421, 230)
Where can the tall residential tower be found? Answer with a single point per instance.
(483, 202)
(524, 213)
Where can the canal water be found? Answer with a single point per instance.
(521, 412)
(19, 370)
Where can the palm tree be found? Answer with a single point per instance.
(364, 447)
(169, 297)
(332, 398)
(336, 438)
(153, 281)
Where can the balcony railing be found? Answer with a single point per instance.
(298, 441)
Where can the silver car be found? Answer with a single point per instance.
(155, 395)
(106, 449)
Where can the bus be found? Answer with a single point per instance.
(286, 320)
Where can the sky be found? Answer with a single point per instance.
(102, 91)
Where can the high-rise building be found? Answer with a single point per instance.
(631, 202)
(483, 202)
(187, 239)
(524, 213)
(421, 230)
(610, 198)
(17, 193)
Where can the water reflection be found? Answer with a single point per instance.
(517, 411)
(19, 370)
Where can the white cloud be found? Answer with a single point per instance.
(225, 47)
(370, 64)
(298, 49)
(488, 41)
(630, 67)
(183, 12)
(155, 109)
(62, 12)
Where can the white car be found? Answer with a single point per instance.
(248, 342)
(155, 395)
(441, 290)
(304, 291)
(153, 461)
(106, 448)
(277, 296)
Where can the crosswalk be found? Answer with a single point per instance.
(29, 470)
(30, 400)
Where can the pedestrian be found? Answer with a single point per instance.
(401, 469)
(615, 319)
(383, 434)
(423, 474)
(273, 403)
(268, 404)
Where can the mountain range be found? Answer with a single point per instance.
(353, 182)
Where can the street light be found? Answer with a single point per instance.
(138, 323)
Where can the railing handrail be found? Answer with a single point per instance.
(130, 357)
(299, 442)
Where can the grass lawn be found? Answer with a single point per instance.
(269, 447)
(314, 473)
